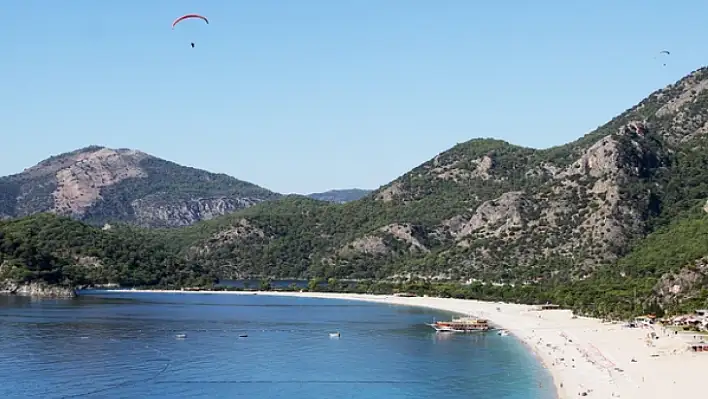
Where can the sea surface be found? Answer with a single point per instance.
(125, 345)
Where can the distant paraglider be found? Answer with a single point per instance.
(189, 16)
(666, 52)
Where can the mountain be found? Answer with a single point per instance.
(341, 196)
(614, 222)
(487, 209)
(102, 185)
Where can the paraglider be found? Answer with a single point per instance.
(665, 52)
(189, 16)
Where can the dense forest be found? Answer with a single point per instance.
(59, 250)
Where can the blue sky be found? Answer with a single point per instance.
(308, 95)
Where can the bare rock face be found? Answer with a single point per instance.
(601, 159)
(175, 214)
(79, 184)
(494, 217)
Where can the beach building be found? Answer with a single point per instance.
(696, 321)
(698, 346)
(646, 319)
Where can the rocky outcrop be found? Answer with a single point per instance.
(154, 213)
(36, 289)
(494, 217)
(408, 235)
(678, 286)
(388, 194)
(240, 229)
(457, 171)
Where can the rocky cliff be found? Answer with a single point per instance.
(101, 185)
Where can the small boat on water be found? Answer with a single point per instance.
(503, 333)
(181, 336)
(461, 324)
(334, 335)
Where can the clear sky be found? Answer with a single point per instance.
(309, 95)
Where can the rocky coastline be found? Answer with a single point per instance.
(36, 289)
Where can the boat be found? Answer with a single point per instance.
(334, 335)
(503, 333)
(461, 324)
(181, 336)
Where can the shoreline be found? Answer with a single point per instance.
(582, 354)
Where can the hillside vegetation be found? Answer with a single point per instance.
(58, 250)
(613, 222)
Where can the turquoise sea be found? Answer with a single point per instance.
(124, 345)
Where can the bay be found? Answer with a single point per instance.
(125, 344)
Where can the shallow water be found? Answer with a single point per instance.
(120, 345)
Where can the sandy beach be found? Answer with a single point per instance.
(583, 355)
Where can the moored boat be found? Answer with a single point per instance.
(461, 324)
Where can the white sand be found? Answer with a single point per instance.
(582, 354)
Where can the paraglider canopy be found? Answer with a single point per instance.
(189, 16)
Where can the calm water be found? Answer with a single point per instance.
(123, 345)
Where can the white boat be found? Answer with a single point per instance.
(181, 336)
(503, 333)
(334, 335)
